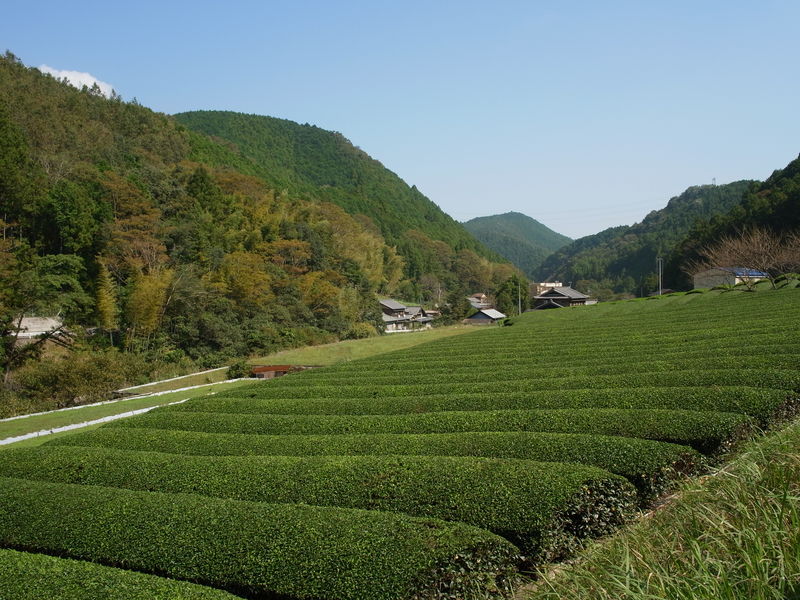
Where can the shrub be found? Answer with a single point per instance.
(25, 576)
(238, 370)
(705, 431)
(541, 507)
(647, 464)
(256, 549)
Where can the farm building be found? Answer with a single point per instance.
(486, 316)
(270, 371)
(560, 297)
(727, 276)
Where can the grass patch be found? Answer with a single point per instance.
(55, 419)
(331, 354)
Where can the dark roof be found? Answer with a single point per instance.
(489, 313)
(565, 291)
(267, 368)
(744, 272)
(392, 304)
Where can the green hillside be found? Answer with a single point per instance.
(438, 486)
(177, 251)
(773, 205)
(318, 164)
(622, 260)
(519, 238)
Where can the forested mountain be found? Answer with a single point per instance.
(519, 238)
(622, 260)
(313, 163)
(176, 246)
(773, 205)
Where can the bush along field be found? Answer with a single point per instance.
(433, 472)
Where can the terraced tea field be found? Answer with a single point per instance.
(432, 472)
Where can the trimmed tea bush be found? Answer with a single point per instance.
(25, 576)
(704, 431)
(258, 549)
(647, 464)
(761, 403)
(541, 507)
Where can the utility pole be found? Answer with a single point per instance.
(519, 299)
(660, 264)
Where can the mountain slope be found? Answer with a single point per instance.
(622, 260)
(519, 238)
(773, 204)
(319, 164)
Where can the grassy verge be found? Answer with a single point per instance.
(330, 354)
(56, 419)
(182, 382)
(735, 534)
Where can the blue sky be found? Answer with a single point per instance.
(583, 115)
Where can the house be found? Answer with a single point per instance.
(34, 327)
(485, 316)
(561, 297)
(727, 276)
(398, 317)
(479, 301)
(536, 289)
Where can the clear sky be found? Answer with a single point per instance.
(581, 114)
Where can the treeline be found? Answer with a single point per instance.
(773, 206)
(621, 261)
(172, 248)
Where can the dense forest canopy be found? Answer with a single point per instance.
(773, 205)
(181, 250)
(519, 238)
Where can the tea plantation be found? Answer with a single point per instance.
(428, 473)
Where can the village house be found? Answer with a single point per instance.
(561, 297)
(399, 318)
(485, 316)
(479, 301)
(727, 276)
(535, 289)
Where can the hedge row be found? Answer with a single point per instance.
(767, 378)
(542, 507)
(511, 356)
(760, 403)
(455, 369)
(647, 464)
(705, 431)
(26, 576)
(255, 549)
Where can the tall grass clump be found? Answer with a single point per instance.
(734, 535)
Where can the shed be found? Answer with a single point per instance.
(486, 316)
(270, 371)
(727, 276)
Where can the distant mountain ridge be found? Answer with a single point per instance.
(521, 239)
(622, 260)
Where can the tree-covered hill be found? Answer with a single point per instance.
(315, 163)
(519, 238)
(622, 260)
(773, 205)
(177, 247)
